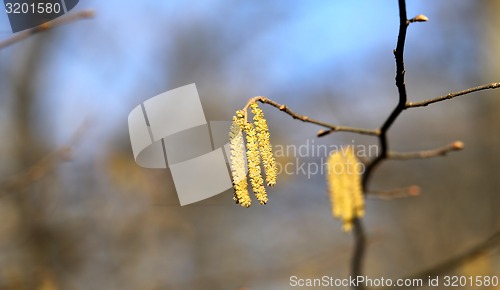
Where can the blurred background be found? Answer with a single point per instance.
(76, 212)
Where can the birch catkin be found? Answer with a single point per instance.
(238, 170)
(265, 148)
(258, 152)
(254, 171)
(344, 184)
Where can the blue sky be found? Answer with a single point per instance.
(101, 68)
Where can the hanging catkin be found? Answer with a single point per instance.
(258, 152)
(238, 170)
(265, 148)
(344, 185)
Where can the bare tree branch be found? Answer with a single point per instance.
(452, 95)
(46, 26)
(455, 146)
(400, 84)
(332, 128)
(410, 191)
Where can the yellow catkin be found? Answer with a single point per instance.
(264, 141)
(344, 184)
(253, 157)
(238, 172)
(356, 187)
(335, 181)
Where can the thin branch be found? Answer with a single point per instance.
(452, 95)
(332, 128)
(322, 133)
(410, 191)
(455, 146)
(46, 26)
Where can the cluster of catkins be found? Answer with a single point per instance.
(258, 152)
(344, 184)
(344, 178)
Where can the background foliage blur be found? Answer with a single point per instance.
(93, 219)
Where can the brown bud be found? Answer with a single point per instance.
(419, 18)
(414, 190)
(457, 145)
(322, 133)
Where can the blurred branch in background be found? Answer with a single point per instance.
(410, 191)
(41, 168)
(455, 146)
(46, 26)
(36, 172)
(484, 248)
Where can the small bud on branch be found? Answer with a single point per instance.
(419, 18)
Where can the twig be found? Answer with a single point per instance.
(410, 191)
(46, 26)
(452, 95)
(455, 146)
(332, 128)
